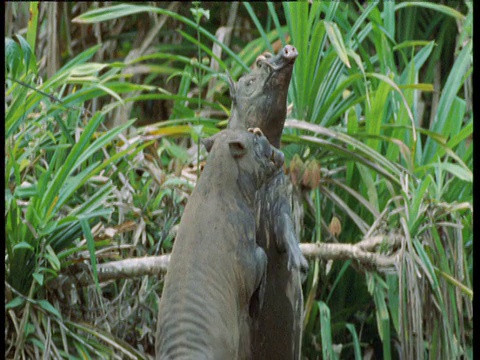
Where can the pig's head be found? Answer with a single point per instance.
(259, 99)
(246, 155)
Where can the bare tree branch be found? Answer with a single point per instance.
(362, 252)
(358, 252)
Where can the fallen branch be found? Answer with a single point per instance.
(362, 252)
(114, 270)
(358, 252)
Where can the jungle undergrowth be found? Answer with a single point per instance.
(198, 13)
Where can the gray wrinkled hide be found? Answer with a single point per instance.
(277, 330)
(259, 100)
(216, 269)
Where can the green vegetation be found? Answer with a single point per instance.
(381, 98)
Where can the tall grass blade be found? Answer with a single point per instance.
(454, 82)
(326, 331)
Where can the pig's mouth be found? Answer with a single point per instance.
(286, 57)
(279, 66)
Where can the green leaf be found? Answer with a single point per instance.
(421, 87)
(106, 337)
(456, 116)
(16, 114)
(417, 201)
(390, 82)
(44, 304)
(341, 204)
(71, 162)
(393, 300)
(87, 232)
(427, 265)
(107, 90)
(449, 93)
(456, 170)
(412, 43)
(377, 287)
(61, 75)
(87, 69)
(176, 151)
(208, 51)
(356, 342)
(116, 11)
(111, 13)
(199, 13)
(18, 301)
(336, 39)
(13, 57)
(103, 140)
(326, 331)
(92, 204)
(32, 25)
(258, 25)
(465, 289)
(296, 14)
(360, 152)
(24, 245)
(460, 136)
(273, 13)
(434, 6)
(374, 115)
(39, 278)
(72, 184)
(28, 55)
(389, 18)
(52, 258)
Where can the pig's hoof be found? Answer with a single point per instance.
(256, 131)
(297, 261)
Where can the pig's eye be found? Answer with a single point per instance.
(248, 87)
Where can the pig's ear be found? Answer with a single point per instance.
(208, 142)
(237, 148)
(233, 87)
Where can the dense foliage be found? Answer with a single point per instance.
(378, 143)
